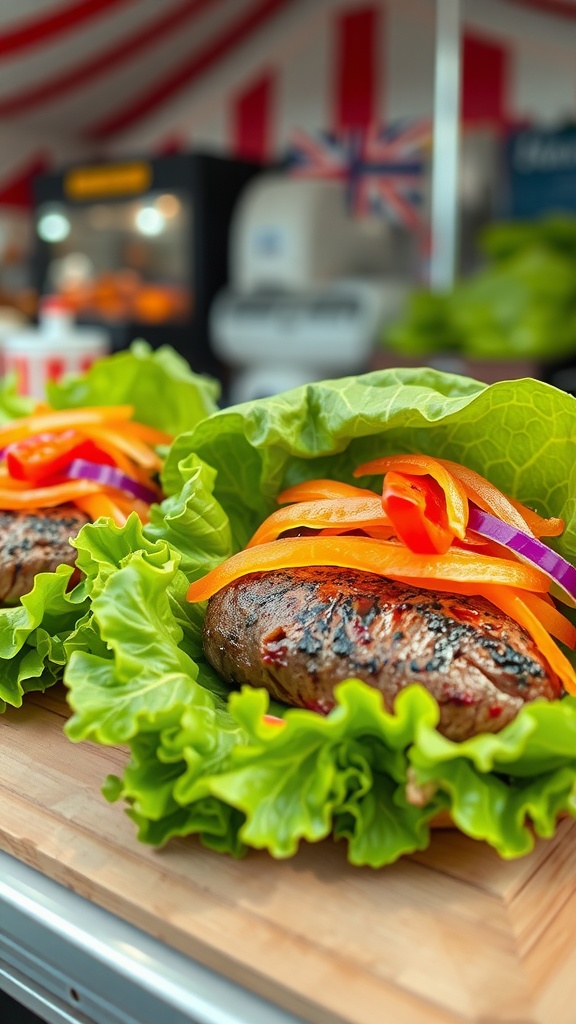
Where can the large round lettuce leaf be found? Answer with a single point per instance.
(519, 434)
(204, 762)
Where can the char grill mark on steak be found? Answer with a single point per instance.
(33, 542)
(298, 632)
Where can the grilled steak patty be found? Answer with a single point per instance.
(298, 632)
(32, 542)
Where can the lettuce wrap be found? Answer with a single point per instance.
(165, 394)
(203, 761)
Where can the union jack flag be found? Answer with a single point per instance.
(383, 169)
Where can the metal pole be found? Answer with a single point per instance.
(444, 203)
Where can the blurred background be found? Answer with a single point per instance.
(288, 190)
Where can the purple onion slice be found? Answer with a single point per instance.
(561, 572)
(109, 476)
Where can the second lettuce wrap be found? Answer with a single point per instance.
(166, 394)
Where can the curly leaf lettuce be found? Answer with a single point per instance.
(203, 764)
(128, 670)
(32, 635)
(38, 635)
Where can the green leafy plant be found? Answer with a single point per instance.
(521, 304)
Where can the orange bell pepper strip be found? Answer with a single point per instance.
(62, 419)
(376, 532)
(150, 435)
(97, 505)
(7, 481)
(417, 509)
(424, 465)
(135, 449)
(491, 499)
(345, 513)
(113, 505)
(385, 558)
(474, 542)
(46, 497)
(540, 605)
(273, 720)
(513, 604)
(537, 524)
(553, 620)
(315, 490)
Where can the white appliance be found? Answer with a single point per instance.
(310, 287)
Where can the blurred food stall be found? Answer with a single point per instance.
(182, 104)
(139, 246)
(282, 191)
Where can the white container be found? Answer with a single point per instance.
(11, 323)
(55, 349)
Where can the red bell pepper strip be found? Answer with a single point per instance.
(417, 509)
(385, 558)
(424, 465)
(42, 456)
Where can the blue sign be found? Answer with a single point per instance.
(541, 169)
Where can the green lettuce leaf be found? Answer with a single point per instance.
(164, 391)
(32, 635)
(192, 520)
(12, 404)
(203, 762)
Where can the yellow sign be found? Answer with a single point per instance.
(106, 180)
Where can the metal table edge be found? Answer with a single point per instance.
(70, 960)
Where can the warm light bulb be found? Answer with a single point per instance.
(168, 205)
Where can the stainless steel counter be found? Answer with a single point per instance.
(72, 962)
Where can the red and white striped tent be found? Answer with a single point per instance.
(93, 78)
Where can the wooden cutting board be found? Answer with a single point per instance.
(453, 934)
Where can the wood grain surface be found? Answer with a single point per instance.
(452, 934)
